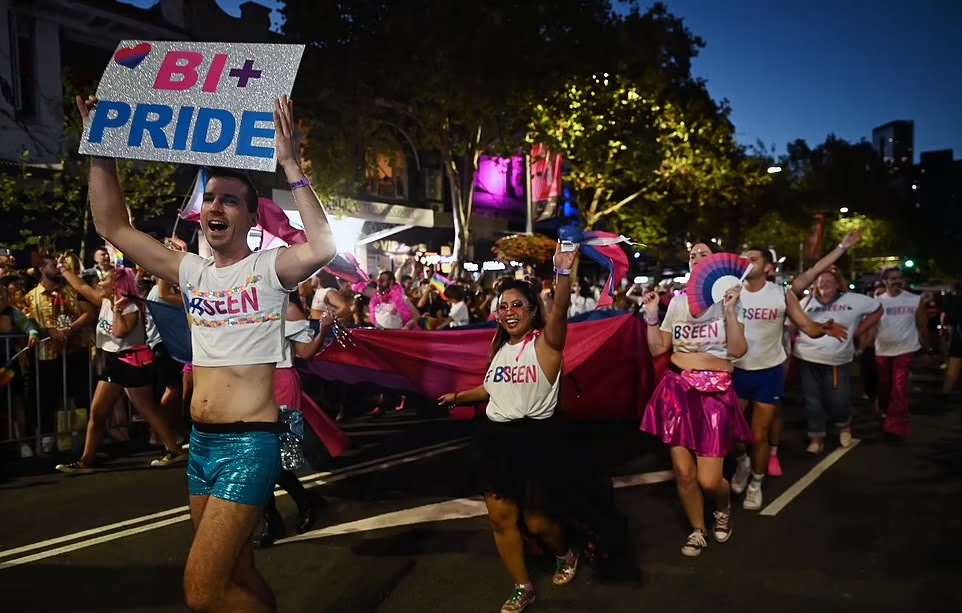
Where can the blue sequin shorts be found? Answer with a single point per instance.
(241, 467)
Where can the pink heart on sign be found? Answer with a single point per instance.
(132, 57)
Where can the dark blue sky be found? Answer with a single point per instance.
(805, 69)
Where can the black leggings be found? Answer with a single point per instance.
(293, 486)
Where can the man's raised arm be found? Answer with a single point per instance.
(113, 221)
(299, 262)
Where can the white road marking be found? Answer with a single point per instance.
(458, 508)
(312, 480)
(799, 486)
(643, 479)
(91, 542)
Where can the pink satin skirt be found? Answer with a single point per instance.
(706, 423)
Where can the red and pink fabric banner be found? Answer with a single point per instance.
(608, 371)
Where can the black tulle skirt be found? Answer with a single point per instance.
(540, 466)
(524, 461)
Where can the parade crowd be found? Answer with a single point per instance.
(720, 373)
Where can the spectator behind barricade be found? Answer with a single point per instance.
(13, 321)
(458, 315)
(62, 317)
(102, 264)
(583, 301)
(14, 284)
(8, 264)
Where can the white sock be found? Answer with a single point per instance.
(743, 459)
(757, 479)
(773, 449)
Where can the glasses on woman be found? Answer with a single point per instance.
(517, 305)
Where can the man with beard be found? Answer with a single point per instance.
(61, 316)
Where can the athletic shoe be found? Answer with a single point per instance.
(565, 569)
(845, 438)
(753, 498)
(723, 525)
(743, 472)
(26, 451)
(774, 466)
(518, 601)
(815, 447)
(74, 467)
(169, 459)
(694, 544)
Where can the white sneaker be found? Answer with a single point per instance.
(845, 438)
(26, 451)
(753, 498)
(743, 472)
(694, 544)
(815, 447)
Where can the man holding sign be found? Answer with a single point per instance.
(236, 302)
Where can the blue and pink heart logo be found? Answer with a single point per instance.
(132, 57)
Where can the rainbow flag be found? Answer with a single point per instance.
(440, 282)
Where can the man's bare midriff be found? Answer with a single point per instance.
(234, 393)
(700, 361)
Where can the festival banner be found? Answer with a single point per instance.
(209, 104)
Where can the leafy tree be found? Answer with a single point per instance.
(45, 206)
(458, 78)
(648, 151)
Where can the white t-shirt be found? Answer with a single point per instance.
(299, 331)
(237, 312)
(105, 329)
(518, 387)
(764, 327)
(459, 315)
(705, 334)
(897, 332)
(317, 303)
(847, 310)
(153, 334)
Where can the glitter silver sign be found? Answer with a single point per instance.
(195, 103)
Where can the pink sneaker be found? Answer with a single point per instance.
(774, 466)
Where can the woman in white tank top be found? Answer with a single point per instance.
(518, 443)
(128, 364)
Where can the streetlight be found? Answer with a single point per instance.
(910, 263)
(773, 169)
(843, 210)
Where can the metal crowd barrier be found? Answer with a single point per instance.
(10, 348)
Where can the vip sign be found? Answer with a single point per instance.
(196, 103)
